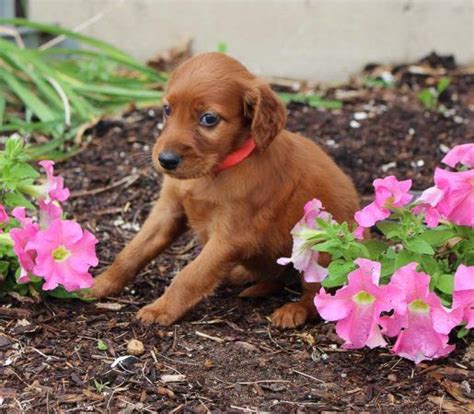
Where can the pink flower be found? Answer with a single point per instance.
(463, 154)
(64, 255)
(463, 294)
(55, 190)
(426, 204)
(357, 306)
(3, 214)
(21, 236)
(457, 204)
(303, 257)
(389, 193)
(49, 211)
(422, 324)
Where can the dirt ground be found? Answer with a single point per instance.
(225, 356)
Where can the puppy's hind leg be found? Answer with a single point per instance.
(265, 285)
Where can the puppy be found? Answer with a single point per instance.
(239, 180)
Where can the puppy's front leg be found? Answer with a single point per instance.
(165, 222)
(196, 281)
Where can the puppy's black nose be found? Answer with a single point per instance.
(169, 160)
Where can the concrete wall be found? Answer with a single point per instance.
(322, 40)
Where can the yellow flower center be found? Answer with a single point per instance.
(389, 202)
(418, 306)
(61, 253)
(363, 298)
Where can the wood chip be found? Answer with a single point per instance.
(113, 306)
(173, 378)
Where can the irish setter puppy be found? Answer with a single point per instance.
(239, 180)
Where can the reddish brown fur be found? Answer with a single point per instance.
(243, 215)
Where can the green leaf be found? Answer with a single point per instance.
(29, 99)
(428, 98)
(419, 245)
(463, 331)
(23, 171)
(445, 283)
(436, 237)
(101, 345)
(16, 199)
(222, 47)
(404, 257)
(389, 229)
(375, 248)
(338, 271)
(3, 103)
(327, 246)
(443, 84)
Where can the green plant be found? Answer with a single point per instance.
(316, 101)
(429, 97)
(53, 92)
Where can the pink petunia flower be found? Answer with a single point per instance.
(426, 204)
(3, 214)
(54, 188)
(422, 324)
(303, 257)
(358, 305)
(48, 212)
(21, 236)
(463, 294)
(389, 193)
(457, 203)
(463, 154)
(64, 255)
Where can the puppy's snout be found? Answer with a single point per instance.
(169, 160)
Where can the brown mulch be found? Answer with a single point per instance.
(58, 356)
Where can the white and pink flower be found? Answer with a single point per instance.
(303, 257)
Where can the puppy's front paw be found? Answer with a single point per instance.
(106, 284)
(290, 315)
(157, 312)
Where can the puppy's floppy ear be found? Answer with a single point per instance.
(265, 111)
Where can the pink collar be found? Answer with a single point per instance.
(237, 156)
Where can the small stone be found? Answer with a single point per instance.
(166, 392)
(135, 347)
(411, 131)
(392, 377)
(360, 116)
(354, 124)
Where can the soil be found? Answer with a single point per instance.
(225, 356)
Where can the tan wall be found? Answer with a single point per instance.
(314, 39)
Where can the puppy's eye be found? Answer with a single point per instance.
(166, 110)
(209, 119)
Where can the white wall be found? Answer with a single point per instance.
(322, 40)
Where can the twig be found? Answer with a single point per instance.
(308, 376)
(212, 338)
(128, 181)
